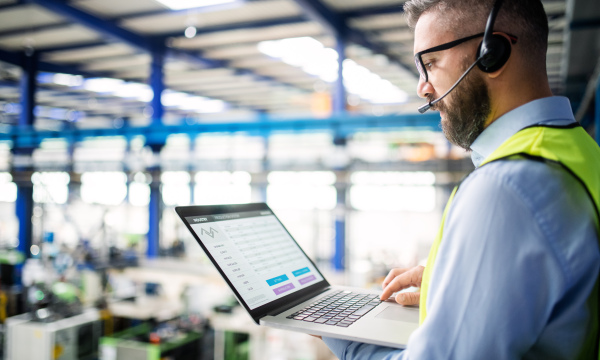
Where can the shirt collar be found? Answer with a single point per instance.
(549, 109)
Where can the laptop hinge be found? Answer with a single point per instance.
(296, 302)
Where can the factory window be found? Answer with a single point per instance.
(50, 187)
(8, 189)
(303, 202)
(5, 155)
(175, 188)
(51, 153)
(211, 147)
(299, 148)
(393, 191)
(139, 190)
(393, 220)
(304, 190)
(101, 154)
(222, 187)
(106, 188)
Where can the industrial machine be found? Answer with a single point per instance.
(71, 338)
(148, 342)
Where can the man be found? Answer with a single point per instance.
(513, 273)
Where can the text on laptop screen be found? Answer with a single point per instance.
(256, 253)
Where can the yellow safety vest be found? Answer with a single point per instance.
(569, 146)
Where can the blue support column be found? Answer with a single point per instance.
(24, 210)
(339, 96)
(154, 212)
(157, 83)
(26, 119)
(598, 112)
(339, 108)
(155, 207)
(22, 157)
(339, 256)
(28, 88)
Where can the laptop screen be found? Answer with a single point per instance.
(256, 254)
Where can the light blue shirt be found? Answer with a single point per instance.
(517, 262)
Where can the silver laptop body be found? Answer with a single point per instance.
(274, 280)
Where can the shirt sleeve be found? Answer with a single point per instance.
(489, 292)
(346, 350)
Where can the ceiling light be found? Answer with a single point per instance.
(190, 32)
(190, 4)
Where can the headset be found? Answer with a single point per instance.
(493, 52)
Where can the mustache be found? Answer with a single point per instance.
(438, 106)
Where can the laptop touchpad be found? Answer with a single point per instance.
(399, 313)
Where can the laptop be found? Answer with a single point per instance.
(281, 287)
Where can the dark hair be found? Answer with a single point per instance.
(524, 18)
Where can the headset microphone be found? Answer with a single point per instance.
(428, 106)
(492, 54)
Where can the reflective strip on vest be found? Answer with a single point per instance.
(573, 149)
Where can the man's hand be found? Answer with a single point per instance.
(400, 279)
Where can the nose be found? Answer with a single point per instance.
(424, 88)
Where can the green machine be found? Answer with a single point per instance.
(144, 342)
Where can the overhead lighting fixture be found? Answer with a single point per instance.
(191, 4)
(190, 32)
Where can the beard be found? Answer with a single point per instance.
(466, 111)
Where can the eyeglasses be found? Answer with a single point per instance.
(421, 66)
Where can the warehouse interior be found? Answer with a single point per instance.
(307, 105)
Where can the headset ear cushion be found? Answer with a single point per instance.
(499, 50)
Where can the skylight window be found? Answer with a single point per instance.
(315, 59)
(190, 4)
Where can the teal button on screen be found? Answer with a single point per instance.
(277, 280)
(301, 271)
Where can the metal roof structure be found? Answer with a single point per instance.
(125, 39)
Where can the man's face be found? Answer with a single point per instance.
(465, 110)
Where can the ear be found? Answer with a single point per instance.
(505, 45)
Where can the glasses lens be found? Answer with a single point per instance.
(420, 68)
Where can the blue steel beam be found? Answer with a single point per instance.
(107, 28)
(189, 12)
(379, 10)
(330, 20)
(10, 6)
(75, 46)
(102, 26)
(148, 44)
(17, 59)
(338, 125)
(20, 31)
(257, 24)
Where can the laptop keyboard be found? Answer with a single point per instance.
(342, 308)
